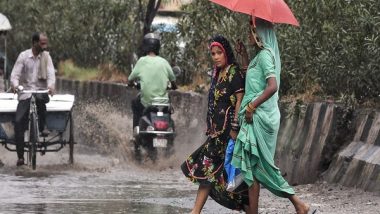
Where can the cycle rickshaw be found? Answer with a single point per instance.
(59, 121)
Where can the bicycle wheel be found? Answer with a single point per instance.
(33, 139)
(71, 140)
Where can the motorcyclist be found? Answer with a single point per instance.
(154, 74)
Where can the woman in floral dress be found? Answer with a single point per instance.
(205, 166)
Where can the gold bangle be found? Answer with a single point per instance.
(248, 109)
(252, 108)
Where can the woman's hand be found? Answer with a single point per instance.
(248, 116)
(233, 134)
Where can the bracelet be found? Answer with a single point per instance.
(244, 68)
(251, 109)
(235, 126)
(248, 109)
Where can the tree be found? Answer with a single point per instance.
(146, 17)
(89, 32)
(334, 52)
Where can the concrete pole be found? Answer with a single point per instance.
(5, 62)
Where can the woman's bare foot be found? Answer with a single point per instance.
(302, 208)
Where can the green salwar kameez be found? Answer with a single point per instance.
(256, 142)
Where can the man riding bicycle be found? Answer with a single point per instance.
(154, 73)
(33, 70)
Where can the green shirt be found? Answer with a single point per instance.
(154, 73)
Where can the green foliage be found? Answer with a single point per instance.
(335, 51)
(68, 70)
(89, 32)
(336, 48)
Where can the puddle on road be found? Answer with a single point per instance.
(95, 184)
(80, 189)
(98, 182)
(99, 206)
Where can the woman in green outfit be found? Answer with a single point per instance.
(259, 117)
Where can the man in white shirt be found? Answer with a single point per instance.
(33, 70)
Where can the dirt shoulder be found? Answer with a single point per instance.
(326, 198)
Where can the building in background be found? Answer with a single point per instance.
(174, 5)
(168, 15)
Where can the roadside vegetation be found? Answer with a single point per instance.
(68, 70)
(106, 72)
(334, 54)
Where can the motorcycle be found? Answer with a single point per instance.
(156, 130)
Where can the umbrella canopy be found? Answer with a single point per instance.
(4, 23)
(275, 11)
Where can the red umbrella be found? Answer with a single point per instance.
(275, 11)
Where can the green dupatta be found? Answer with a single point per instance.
(256, 143)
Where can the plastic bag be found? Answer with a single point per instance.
(234, 176)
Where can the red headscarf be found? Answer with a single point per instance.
(220, 46)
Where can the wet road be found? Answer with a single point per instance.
(113, 183)
(107, 183)
(96, 185)
(86, 193)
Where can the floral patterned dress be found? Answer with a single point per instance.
(206, 164)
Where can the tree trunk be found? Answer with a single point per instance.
(151, 11)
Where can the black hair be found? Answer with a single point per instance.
(35, 37)
(227, 47)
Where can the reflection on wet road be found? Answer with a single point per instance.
(84, 188)
(108, 183)
(82, 194)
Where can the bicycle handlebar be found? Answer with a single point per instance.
(45, 91)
